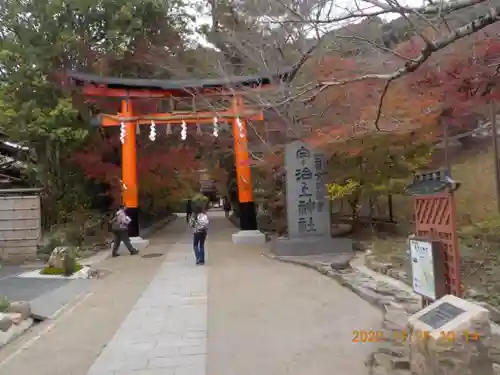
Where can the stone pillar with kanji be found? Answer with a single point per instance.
(307, 207)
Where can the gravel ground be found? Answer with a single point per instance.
(271, 318)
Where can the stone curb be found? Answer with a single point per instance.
(396, 300)
(15, 331)
(386, 269)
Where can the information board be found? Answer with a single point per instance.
(422, 265)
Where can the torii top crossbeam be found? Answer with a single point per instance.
(94, 85)
(156, 90)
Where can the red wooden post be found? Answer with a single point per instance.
(435, 217)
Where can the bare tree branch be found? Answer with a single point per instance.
(383, 9)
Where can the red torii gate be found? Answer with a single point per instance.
(132, 92)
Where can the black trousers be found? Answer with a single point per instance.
(122, 236)
(188, 216)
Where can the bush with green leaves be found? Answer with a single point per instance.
(69, 262)
(200, 200)
(4, 304)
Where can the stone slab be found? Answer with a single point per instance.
(27, 289)
(311, 246)
(8, 271)
(249, 237)
(46, 306)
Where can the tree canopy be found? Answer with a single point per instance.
(346, 75)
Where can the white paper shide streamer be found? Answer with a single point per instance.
(183, 131)
(240, 127)
(152, 131)
(215, 133)
(123, 132)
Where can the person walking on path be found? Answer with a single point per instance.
(119, 227)
(199, 222)
(189, 210)
(227, 207)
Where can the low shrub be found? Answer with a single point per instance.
(4, 304)
(58, 271)
(200, 200)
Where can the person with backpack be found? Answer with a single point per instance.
(119, 227)
(199, 222)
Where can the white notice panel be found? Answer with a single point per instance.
(422, 265)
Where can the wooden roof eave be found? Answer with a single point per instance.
(95, 85)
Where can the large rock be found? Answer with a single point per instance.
(494, 312)
(5, 322)
(59, 254)
(20, 307)
(494, 345)
(56, 259)
(453, 342)
(16, 318)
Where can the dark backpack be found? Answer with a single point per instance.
(114, 225)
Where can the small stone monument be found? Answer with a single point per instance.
(450, 337)
(307, 206)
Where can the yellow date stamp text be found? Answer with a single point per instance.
(373, 335)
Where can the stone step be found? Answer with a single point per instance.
(48, 305)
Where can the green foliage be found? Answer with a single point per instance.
(59, 271)
(336, 191)
(4, 304)
(487, 230)
(42, 39)
(83, 226)
(69, 263)
(270, 197)
(200, 200)
(53, 242)
(363, 169)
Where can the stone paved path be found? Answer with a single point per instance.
(240, 314)
(166, 331)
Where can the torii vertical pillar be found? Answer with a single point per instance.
(249, 234)
(130, 192)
